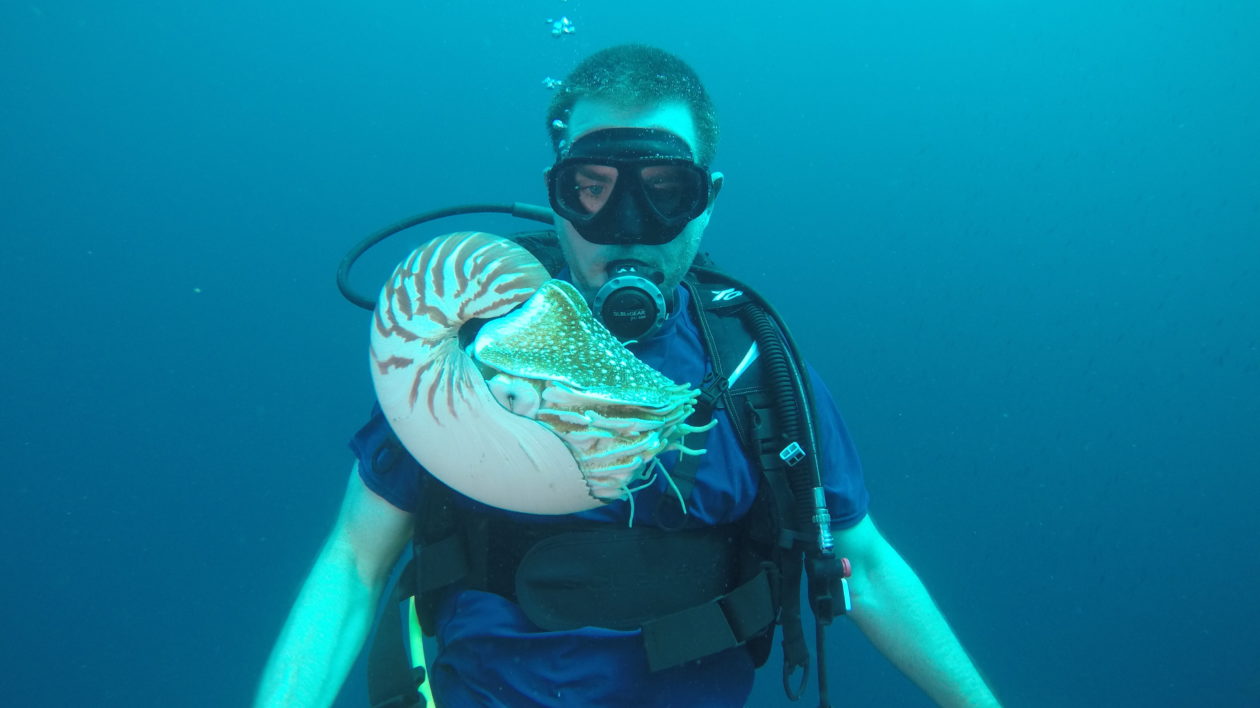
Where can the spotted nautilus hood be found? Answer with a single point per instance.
(545, 411)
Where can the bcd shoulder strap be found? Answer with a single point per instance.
(726, 319)
(723, 313)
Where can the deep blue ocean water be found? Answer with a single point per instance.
(1020, 240)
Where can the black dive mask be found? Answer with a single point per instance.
(630, 304)
(628, 186)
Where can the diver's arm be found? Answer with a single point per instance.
(894, 610)
(334, 609)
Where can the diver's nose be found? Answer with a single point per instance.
(629, 225)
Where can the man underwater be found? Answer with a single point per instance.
(635, 133)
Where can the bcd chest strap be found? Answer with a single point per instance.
(681, 588)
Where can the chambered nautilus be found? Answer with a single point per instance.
(544, 412)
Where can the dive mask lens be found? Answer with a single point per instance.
(580, 190)
(673, 191)
(628, 185)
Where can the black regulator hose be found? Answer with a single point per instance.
(784, 366)
(784, 363)
(517, 209)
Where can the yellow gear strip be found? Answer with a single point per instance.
(415, 641)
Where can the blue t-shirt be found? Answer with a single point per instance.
(490, 654)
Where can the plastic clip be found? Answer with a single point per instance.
(792, 454)
(712, 388)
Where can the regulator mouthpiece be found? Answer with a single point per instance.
(630, 304)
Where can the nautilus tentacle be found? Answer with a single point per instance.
(568, 417)
(614, 412)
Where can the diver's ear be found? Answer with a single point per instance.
(716, 180)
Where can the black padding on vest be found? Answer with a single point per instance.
(441, 563)
(750, 607)
(623, 579)
(714, 626)
(683, 636)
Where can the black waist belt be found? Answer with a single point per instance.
(686, 590)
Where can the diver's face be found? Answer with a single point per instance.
(589, 261)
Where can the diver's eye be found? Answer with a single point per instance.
(592, 185)
(673, 190)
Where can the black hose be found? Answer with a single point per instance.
(517, 209)
(779, 375)
(800, 423)
(820, 643)
(782, 362)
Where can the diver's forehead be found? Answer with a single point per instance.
(590, 115)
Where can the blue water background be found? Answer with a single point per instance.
(1020, 239)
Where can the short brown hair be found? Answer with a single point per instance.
(636, 75)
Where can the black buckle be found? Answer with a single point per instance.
(712, 388)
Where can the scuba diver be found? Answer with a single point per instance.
(676, 599)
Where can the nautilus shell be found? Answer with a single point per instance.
(545, 411)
